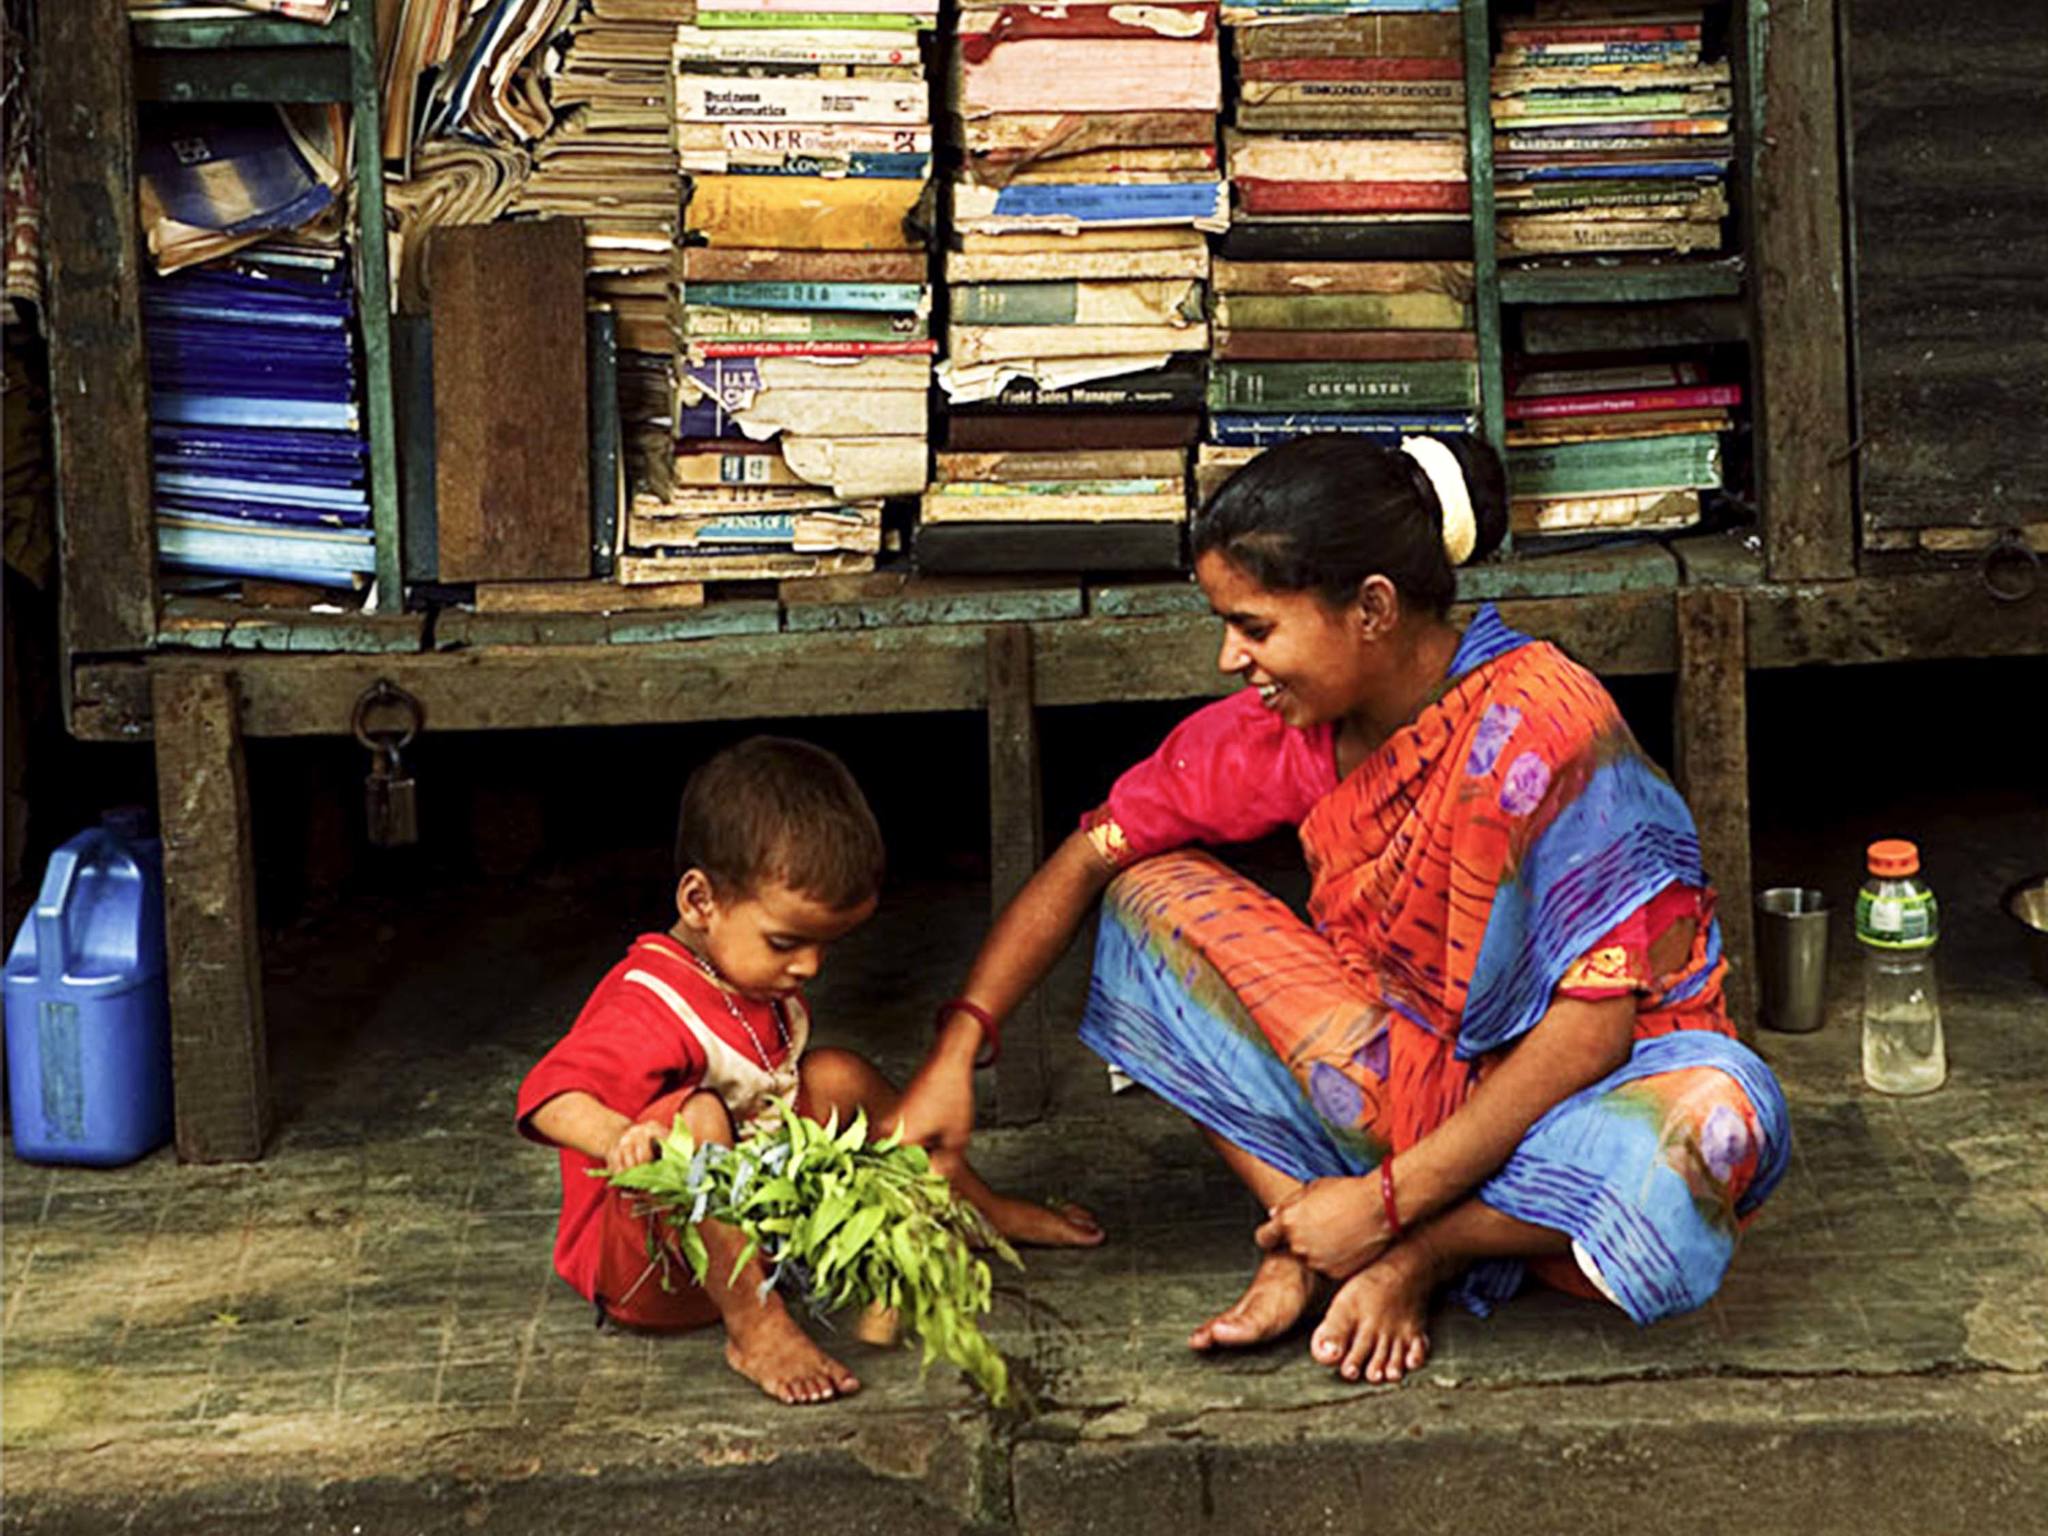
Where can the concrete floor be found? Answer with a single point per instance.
(363, 1333)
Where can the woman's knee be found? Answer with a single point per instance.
(706, 1118)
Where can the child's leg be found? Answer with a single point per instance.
(763, 1342)
(839, 1080)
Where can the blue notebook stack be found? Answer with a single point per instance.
(261, 468)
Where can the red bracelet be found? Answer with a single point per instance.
(1387, 1195)
(991, 1032)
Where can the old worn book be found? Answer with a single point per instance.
(1452, 279)
(969, 345)
(1333, 240)
(718, 45)
(859, 468)
(1679, 237)
(1382, 424)
(1141, 303)
(805, 212)
(777, 100)
(1394, 97)
(954, 504)
(835, 413)
(983, 28)
(1624, 401)
(1284, 157)
(1361, 346)
(706, 265)
(1600, 429)
(1089, 75)
(813, 148)
(1072, 464)
(708, 322)
(1390, 35)
(1132, 157)
(1171, 385)
(585, 596)
(1031, 134)
(1638, 512)
(636, 570)
(734, 381)
(1342, 311)
(1259, 196)
(742, 463)
(971, 243)
(1677, 462)
(1059, 207)
(1215, 464)
(651, 528)
(1338, 116)
(1065, 548)
(1035, 267)
(1342, 386)
(1006, 431)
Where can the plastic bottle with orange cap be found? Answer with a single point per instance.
(1897, 923)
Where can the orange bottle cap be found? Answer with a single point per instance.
(1894, 857)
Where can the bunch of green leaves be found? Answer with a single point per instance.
(840, 1222)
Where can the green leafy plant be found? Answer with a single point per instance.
(840, 1222)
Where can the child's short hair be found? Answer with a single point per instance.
(772, 808)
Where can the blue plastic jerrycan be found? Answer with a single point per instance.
(88, 1010)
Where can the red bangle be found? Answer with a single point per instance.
(1387, 1195)
(991, 1032)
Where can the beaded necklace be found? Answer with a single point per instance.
(732, 1007)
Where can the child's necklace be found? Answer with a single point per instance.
(732, 1007)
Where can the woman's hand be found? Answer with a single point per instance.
(1332, 1225)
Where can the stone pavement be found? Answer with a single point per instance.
(362, 1334)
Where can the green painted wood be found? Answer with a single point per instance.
(1146, 600)
(373, 306)
(210, 624)
(1633, 282)
(249, 74)
(994, 605)
(457, 629)
(1720, 559)
(1486, 274)
(241, 32)
(1580, 573)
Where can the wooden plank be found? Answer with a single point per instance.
(896, 599)
(98, 382)
(373, 306)
(1643, 282)
(1803, 430)
(1016, 849)
(1914, 617)
(1713, 772)
(1719, 559)
(219, 1057)
(248, 74)
(512, 452)
(1553, 329)
(585, 597)
(412, 399)
(1147, 600)
(1950, 217)
(210, 624)
(1616, 568)
(1008, 549)
(458, 630)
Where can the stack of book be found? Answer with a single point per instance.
(255, 425)
(1076, 284)
(610, 160)
(1611, 133)
(1380, 348)
(1617, 447)
(805, 130)
(1343, 301)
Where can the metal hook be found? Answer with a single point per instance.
(386, 694)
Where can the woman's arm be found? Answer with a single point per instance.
(1339, 1225)
(1033, 931)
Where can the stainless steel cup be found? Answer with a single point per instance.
(1792, 955)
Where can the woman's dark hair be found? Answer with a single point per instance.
(1321, 513)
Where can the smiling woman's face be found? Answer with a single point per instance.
(1303, 655)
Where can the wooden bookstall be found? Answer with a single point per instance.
(1795, 591)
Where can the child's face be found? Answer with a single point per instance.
(767, 942)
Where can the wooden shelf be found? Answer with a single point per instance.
(1626, 282)
(238, 33)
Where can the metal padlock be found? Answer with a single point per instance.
(390, 800)
(390, 797)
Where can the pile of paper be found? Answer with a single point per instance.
(1620, 446)
(1611, 132)
(1344, 303)
(214, 179)
(804, 130)
(489, 87)
(1077, 267)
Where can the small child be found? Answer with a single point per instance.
(778, 856)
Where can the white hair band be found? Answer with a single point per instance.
(1447, 479)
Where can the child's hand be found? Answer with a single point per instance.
(636, 1145)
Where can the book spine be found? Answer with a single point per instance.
(1352, 346)
(1024, 23)
(606, 471)
(802, 212)
(752, 348)
(1591, 469)
(1338, 386)
(1342, 311)
(1390, 96)
(1308, 278)
(749, 99)
(702, 264)
(800, 325)
(1608, 403)
(1678, 237)
(1445, 68)
(1611, 32)
(1073, 303)
(1264, 431)
(1324, 117)
(1258, 196)
(1387, 36)
(882, 298)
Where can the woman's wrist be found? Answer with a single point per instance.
(967, 1029)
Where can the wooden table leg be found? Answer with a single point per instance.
(219, 1061)
(1713, 770)
(1016, 848)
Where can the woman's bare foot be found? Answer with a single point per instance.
(1060, 1224)
(772, 1352)
(1281, 1290)
(1377, 1323)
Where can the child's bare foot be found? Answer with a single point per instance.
(1378, 1322)
(772, 1352)
(1054, 1224)
(1281, 1290)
